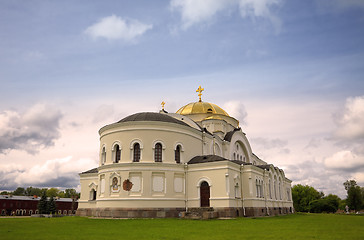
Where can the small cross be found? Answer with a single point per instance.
(163, 105)
(199, 90)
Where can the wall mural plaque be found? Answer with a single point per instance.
(127, 185)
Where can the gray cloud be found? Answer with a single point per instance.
(236, 109)
(350, 121)
(271, 143)
(36, 128)
(61, 173)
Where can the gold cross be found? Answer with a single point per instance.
(163, 105)
(199, 90)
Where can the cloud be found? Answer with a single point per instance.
(197, 11)
(36, 128)
(237, 110)
(350, 122)
(114, 28)
(60, 172)
(345, 160)
(269, 143)
(260, 9)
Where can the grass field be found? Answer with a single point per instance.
(297, 226)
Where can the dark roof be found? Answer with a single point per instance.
(267, 166)
(151, 116)
(211, 158)
(230, 134)
(94, 170)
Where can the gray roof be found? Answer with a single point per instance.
(28, 198)
(267, 166)
(230, 134)
(94, 170)
(151, 116)
(211, 158)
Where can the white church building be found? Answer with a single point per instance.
(197, 161)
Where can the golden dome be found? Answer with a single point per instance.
(201, 107)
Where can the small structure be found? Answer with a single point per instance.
(195, 162)
(27, 205)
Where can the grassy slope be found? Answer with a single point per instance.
(298, 226)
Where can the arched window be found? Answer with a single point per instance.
(117, 153)
(270, 189)
(177, 154)
(234, 156)
(136, 155)
(103, 156)
(275, 189)
(158, 152)
(93, 194)
(280, 193)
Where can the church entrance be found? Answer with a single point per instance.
(205, 194)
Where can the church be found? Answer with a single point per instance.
(195, 162)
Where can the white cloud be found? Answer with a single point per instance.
(114, 28)
(60, 172)
(197, 11)
(260, 9)
(237, 110)
(38, 127)
(350, 123)
(345, 160)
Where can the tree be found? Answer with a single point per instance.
(19, 191)
(349, 183)
(51, 206)
(355, 199)
(302, 197)
(30, 191)
(52, 192)
(70, 193)
(4, 193)
(327, 204)
(42, 204)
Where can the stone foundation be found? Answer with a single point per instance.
(130, 212)
(196, 213)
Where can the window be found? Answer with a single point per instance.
(158, 152)
(275, 189)
(177, 154)
(280, 193)
(234, 156)
(136, 154)
(261, 189)
(93, 194)
(288, 195)
(270, 189)
(103, 156)
(257, 187)
(117, 153)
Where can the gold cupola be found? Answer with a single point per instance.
(200, 111)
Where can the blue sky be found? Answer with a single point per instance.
(291, 71)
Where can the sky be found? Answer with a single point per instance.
(291, 71)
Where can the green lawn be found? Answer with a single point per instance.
(297, 226)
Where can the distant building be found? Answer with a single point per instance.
(174, 164)
(27, 205)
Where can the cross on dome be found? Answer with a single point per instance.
(199, 90)
(163, 103)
